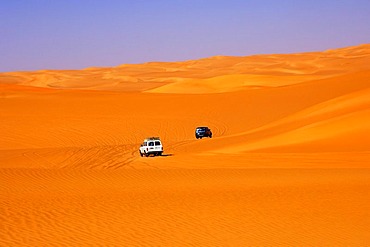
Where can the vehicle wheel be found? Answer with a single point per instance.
(160, 153)
(210, 136)
(141, 154)
(146, 154)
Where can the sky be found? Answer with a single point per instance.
(76, 34)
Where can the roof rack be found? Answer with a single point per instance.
(152, 138)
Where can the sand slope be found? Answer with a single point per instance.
(288, 164)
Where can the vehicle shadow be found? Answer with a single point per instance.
(165, 155)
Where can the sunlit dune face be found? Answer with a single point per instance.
(288, 161)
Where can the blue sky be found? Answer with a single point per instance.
(75, 34)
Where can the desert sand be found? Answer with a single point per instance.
(288, 164)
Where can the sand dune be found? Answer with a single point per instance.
(218, 71)
(288, 164)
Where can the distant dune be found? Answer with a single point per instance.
(288, 164)
(209, 75)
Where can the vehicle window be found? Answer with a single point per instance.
(151, 143)
(144, 144)
(157, 143)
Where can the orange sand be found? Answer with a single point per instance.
(289, 164)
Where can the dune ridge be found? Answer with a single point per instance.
(199, 75)
(288, 164)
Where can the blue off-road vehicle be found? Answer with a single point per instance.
(201, 132)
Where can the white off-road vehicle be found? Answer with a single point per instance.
(151, 145)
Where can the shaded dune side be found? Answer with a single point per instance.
(300, 107)
(339, 122)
